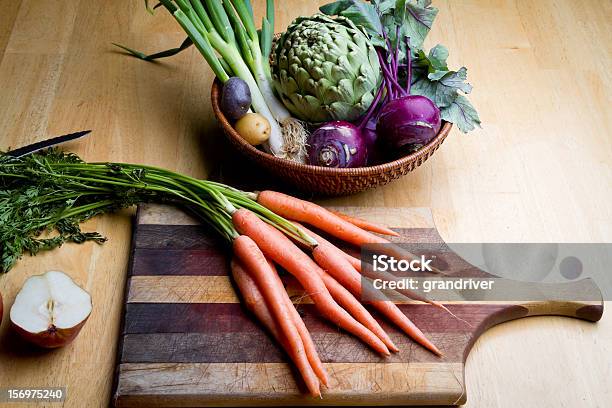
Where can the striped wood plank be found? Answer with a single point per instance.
(186, 340)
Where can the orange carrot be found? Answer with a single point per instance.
(255, 263)
(313, 214)
(309, 346)
(345, 299)
(257, 305)
(366, 225)
(339, 267)
(356, 263)
(330, 258)
(371, 273)
(350, 303)
(304, 211)
(277, 247)
(357, 310)
(255, 302)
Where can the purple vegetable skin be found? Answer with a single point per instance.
(404, 120)
(376, 154)
(368, 131)
(337, 144)
(411, 119)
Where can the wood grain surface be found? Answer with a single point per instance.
(187, 341)
(538, 171)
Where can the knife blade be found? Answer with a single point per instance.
(54, 141)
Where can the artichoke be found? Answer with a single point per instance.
(325, 69)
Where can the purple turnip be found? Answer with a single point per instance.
(405, 119)
(411, 119)
(376, 154)
(337, 144)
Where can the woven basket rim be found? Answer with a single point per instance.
(319, 170)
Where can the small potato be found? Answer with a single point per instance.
(253, 128)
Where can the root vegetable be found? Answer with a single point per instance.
(305, 211)
(277, 247)
(249, 254)
(332, 259)
(317, 216)
(409, 120)
(256, 304)
(337, 144)
(236, 98)
(253, 128)
(366, 225)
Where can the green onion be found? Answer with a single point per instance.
(224, 32)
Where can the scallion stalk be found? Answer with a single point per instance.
(224, 32)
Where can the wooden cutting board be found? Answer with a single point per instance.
(187, 341)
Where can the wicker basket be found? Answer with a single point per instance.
(324, 180)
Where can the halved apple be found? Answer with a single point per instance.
(50, 310)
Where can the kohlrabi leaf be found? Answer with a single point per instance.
(420, 16)
(446, 88)
(441, 87)
(335, 8)
(400, 12)
(433, 78)
(462, 113)
(438, 56)
(363, 15)
(453, 79)
(384, 6)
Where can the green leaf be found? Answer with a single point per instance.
(200, 11)
(269, 14)
(168, 5)
(400, 12)
(420, 16)
(266, 33)
(240, 32)
(203, 45)
(265, 38)
(438, 56)
(249, 7)
(247, 18)
(453, 79)
(220, 20)
(442, 87)
(363, 15)
(162, 54)
(385, 6)
(462, 113)
(335, 8)
(446, 88)
(414, 17)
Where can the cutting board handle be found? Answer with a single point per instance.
(587, 306)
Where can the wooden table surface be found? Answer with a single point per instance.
(539, 170)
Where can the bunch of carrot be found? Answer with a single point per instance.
(329, 276)
(51, 191)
